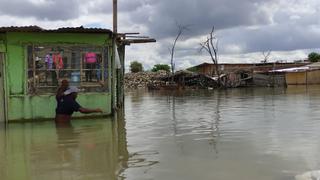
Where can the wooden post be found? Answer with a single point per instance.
(306, 77)
(33, 69)
(2, 90)
(113, 70)
(81, 68)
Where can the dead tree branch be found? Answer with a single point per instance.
(181, 29)
(211, 47)
(266, 56)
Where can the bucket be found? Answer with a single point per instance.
(75, 78)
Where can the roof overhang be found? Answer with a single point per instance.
(80, 29)
(133, 38)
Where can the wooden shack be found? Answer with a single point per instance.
(34, 61)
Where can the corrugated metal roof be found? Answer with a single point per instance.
(293, 69)
(80, 29)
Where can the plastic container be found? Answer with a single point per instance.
(75, 78)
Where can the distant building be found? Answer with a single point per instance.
(303, 75)
(209, 68)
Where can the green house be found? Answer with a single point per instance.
(34, 61)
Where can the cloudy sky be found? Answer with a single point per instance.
(290, 29)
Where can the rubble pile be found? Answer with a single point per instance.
(185, 79)
(141, 80)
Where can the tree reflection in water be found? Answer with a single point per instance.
(183, 126)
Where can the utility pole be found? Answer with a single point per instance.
(116, 73)
(115, 16)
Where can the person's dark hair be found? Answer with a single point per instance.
(64, 86)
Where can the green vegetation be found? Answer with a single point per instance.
(159, 67)
(314, 57)
(135, 67)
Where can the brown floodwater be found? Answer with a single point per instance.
(245, 134)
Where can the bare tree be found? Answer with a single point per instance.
(266, 55)
(211, 46)
(181, 28)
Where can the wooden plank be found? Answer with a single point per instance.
(2, 96)
(135, 41)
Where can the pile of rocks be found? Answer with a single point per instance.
(141, 80)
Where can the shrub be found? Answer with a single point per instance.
(159, 67)
(314, 57)
(135, 67)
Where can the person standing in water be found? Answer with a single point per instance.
(64, 86)
(67, 105)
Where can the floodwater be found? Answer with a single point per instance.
(243, 134)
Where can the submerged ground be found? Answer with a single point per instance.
(250, 133)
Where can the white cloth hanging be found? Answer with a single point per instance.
(117, 58)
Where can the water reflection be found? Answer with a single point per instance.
(208, 127)
(3, 145)
(249, 133)
(83, 149)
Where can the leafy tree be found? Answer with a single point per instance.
(314, 57)
(159, 67)
(135, 67)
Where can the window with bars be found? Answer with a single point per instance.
(83, 66)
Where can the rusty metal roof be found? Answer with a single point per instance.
(80, 29)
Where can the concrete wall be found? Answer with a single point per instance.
(24, 106)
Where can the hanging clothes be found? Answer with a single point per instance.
(90, 58)
(57, 60)
(49, 61)
(101, 68)
(117, 58)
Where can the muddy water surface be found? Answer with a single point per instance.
(249, 134)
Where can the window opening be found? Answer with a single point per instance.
(83, 66)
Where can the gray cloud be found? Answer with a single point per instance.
(242, 26)
(200, 15)
(249, 25)
(50, 10)
(283, 37)
(128, 6)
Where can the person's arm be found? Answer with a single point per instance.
(59, 93)
(77, 107)
(88, 111)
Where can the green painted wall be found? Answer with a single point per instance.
(2, 46)
(24, 106)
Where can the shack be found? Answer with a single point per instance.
(304, 75)
(209, 68)
(34, 61)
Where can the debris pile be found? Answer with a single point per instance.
(141, 80)
(191, 80)
(185, 80)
